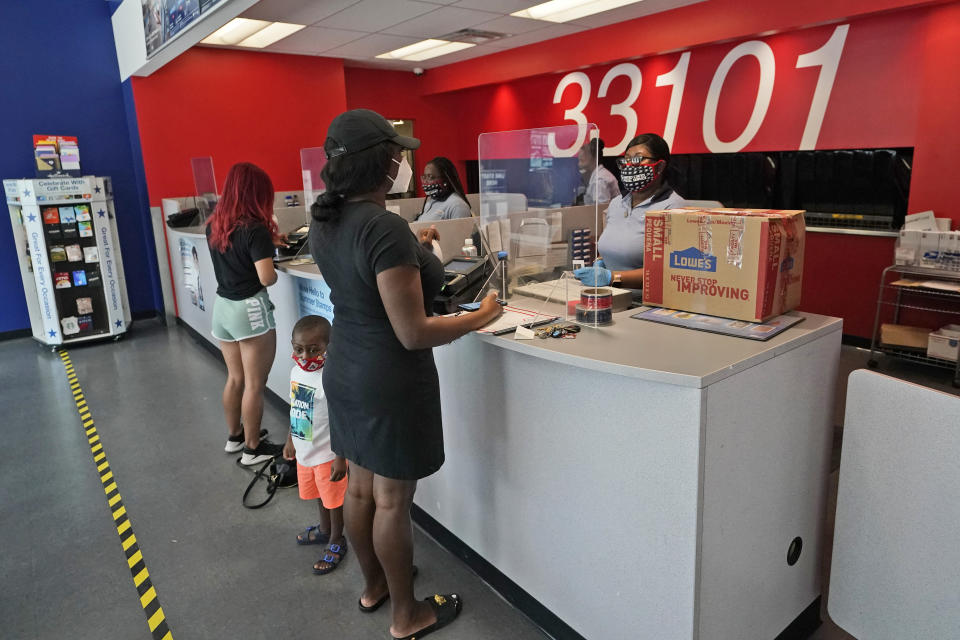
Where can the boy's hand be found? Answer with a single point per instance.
(338, 470)
(289, 452)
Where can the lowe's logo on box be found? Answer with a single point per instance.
(693, 259)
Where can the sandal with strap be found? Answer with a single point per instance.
(309, 537)
(447, 607)
(335, 554)
(379, 603)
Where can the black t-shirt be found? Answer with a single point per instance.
(383, 400)
(237, 277)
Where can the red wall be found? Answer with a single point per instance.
(896, 85)
(935, 163)
(234, 106)
(862, 111)
(841, 274)
(689, 26)
(399, 96)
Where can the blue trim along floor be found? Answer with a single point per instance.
(222, 571)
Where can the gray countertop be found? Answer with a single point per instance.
(311, 271)
(662, 353)
(642, 349)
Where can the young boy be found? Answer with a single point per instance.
(321, 474)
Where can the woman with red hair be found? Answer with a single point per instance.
(242, 234)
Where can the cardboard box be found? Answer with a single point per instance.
(929, 248)
(901, 335)
(923, 221)
(945, 343)
(745, 264)
(908, 247)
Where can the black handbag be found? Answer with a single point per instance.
(278, 473)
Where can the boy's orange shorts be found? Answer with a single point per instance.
(314, 482)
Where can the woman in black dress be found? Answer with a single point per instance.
(380, 379)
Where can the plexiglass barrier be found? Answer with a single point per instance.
(539, 248)
(205, 184)
(312, 161)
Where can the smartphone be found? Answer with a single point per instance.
(473, 306)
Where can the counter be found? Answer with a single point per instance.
(640, 481)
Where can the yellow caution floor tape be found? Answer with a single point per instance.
(138, 568)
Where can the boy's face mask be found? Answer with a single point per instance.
(309, 364)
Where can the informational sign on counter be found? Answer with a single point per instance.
(190, 259)
(314, 298)
(727, 326)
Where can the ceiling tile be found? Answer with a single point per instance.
(499, 6)
(513, 26)
(371, 46)
(440, 22)
(296, 11)
(547, 33)
(457, 56)
(314, 40)
(376, 15)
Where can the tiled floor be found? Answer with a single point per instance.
(220, 571)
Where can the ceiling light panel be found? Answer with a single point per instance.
(425, 49)
(235, 31)
(270, 34)
(567, 10)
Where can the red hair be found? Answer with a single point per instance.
(247, 200)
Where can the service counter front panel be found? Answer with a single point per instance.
(654, 500)
(299, 291)
(642, 480)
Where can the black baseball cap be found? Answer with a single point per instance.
(360, 129)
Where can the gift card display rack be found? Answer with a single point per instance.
(65, 232)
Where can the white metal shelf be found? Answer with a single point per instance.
(898, 304)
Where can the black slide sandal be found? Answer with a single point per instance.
(379, 603)
(447, 608)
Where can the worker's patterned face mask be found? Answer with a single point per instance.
(435, 189)
(309, 364)
(637, 177)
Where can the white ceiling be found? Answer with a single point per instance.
(359, 30)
